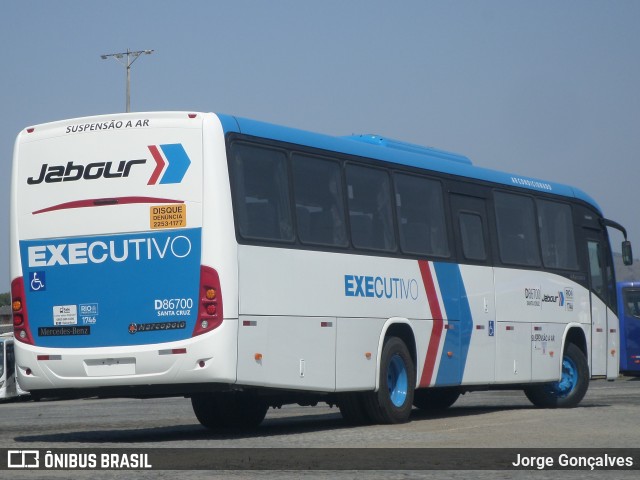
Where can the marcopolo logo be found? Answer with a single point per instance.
(135, 249)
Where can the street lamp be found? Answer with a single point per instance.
(131, 57)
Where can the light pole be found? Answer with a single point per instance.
(131, 57)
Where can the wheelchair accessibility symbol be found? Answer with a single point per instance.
(37, 281)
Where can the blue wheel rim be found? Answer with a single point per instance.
(397, 381)
(568, 381)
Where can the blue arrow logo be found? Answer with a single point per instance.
(178, 162)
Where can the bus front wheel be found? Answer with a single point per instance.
(572, 386)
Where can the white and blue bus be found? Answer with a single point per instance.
(246, 265)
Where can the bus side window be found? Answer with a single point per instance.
(317, 186)
(421, 217)
(370, 212)
(556, 235)
(596, 269)
(517, 235)
(472, 237)
(261, 193)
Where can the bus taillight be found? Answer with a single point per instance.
(210, 306)
(19, 309)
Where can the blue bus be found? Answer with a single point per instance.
(629, 316)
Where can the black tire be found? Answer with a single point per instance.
(352, 408)
(393, 401)
(238, 410)
(435, 399)
(571, 389)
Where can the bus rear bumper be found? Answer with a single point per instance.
(207, 358)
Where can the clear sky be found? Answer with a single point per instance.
(547, 89)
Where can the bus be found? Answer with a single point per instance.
(629, 315)
(246, 265)
(8, 386)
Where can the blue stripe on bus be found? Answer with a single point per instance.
(458, 338)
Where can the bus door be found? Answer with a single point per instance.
(602, 293)
(473, 244)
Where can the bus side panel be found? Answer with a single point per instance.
(269, 356)
(613, 346)
(285, 339)
(315, 295)
(599, 336)
(297, 290)
(532, 310)
(356, 369)
(480, 363)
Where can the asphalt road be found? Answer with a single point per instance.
(607, 418)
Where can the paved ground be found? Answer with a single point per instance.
(607, 418)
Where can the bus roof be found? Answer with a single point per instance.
(393, 151)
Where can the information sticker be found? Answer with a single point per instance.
(168, 216)
(65, 315)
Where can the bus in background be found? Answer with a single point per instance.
(9, 387)
(629, 315)
(247, 265)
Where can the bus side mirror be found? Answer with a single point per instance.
(627, 255)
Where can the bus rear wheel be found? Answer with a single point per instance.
(239, 410)
(393, 401)
(569, 391)
(352, 407)
(433, 399)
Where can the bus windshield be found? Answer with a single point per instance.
(632, 302)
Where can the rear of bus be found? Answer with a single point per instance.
(116, 270)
